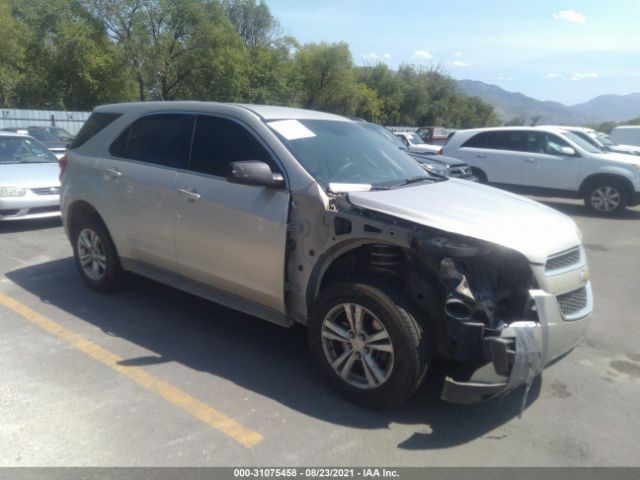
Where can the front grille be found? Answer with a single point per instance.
(8, 212)
(46, 191)
(460, 171)
(563, 260)
(572, 302)
(54, 208)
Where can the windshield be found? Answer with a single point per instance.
(344, 152)
(604, 139)
(61, 133)
(414, 139)
(583, 144)
(379, 129)
(23, 150)
(43, 135)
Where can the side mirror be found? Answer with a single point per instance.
(253, 172)
(568, 151)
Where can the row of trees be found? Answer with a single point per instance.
(75, 54)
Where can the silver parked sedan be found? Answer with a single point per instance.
(29, 183)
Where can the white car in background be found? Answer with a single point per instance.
(547, 161)
(626, 134)
(415, 143)
(29, 182)
(597, 139)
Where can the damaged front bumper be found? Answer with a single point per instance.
(522, 350)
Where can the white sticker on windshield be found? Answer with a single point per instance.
(291, 129)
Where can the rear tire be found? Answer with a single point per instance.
(95, 255)
(605, 197)
(381, 361)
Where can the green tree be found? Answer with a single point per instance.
(175, 48)
(324, 76)
(253, 21)
(66, 60)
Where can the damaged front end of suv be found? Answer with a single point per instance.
(499, 316)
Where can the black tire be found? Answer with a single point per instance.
(479, 174)
(407, 335)
(112, 274)
(595, 191)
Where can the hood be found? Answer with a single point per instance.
(437, 159)
(628, 158)
(625, 149)
(425, 148)
(478, 211)
(29, 175)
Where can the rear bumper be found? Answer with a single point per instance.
(521, 351)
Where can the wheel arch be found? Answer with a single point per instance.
(599, 177)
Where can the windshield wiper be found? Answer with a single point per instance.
(411, 180)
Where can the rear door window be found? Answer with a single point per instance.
(515, 141)
(477, 141)
(217, 142)
(161, 139)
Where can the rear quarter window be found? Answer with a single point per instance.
(96, 122)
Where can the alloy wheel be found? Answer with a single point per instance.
(357, 346)
(91, 254)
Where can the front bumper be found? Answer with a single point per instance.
(29, 206)
(516, 357)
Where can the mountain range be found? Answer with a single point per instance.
(509, 105)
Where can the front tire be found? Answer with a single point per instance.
(606, 197)
(95, 255)
(368, 343)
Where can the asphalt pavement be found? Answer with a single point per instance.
(151, 376)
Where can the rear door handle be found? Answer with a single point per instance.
(191, 195)
(112, 172)
(481, 155)
(531, 160)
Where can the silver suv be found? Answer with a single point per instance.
(299, 216)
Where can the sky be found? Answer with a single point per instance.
(563, 50)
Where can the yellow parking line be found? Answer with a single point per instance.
(195, 407)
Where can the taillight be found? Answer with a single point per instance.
(62, 163)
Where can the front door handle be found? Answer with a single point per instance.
(191, 195)
(481, 155)
(113, 173)
(531, 160)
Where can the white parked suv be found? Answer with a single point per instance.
(296, 216)
(547, 161)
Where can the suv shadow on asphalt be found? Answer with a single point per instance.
(267, 359)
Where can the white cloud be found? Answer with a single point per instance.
(636, 74)
(457, 53)
(458, 63)
(570, 16)
(386, 56)
(580, 76)
(422, 54)
(505, 79)
(552, 75)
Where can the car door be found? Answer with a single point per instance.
(548, 166)
(499, 154)
(141, 175)
(231, 237)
